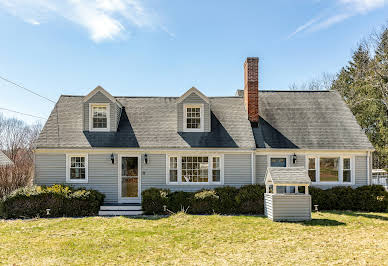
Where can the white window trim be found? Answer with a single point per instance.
(68, 162)
(185, 106)
(210, 169)
(340, 169)
(91, 128)
(278, 156)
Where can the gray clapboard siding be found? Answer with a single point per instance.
(193, 98)
(261, 168)
(102, 174)
(300, 161)
(237, 169)
(361, 170)
(283, 207)
(99, 97)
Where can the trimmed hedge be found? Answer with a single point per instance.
(250, 200)
(29, 202)
(223, 200)
(366, 198)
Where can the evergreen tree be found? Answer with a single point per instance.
(363, 84)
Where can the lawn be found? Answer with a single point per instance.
(331, 237)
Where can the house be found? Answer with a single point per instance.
(122, 145)
(4, 160)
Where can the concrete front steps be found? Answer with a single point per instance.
(120, 210)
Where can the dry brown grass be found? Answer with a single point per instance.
(330, 238)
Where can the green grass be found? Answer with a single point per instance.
(330, 238)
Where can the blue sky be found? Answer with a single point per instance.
(162, 48)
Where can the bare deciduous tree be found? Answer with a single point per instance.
(17, 141)
(323, 82)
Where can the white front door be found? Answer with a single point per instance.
(129, 179)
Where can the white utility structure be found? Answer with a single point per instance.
(282, 200)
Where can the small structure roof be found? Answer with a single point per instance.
(287, 175)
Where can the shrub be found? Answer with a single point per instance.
(227, 200)
(250, 199)
(154, 200)
(365, 198)
(372, 198)
(204, 202)
(61, 200)
(179, 200)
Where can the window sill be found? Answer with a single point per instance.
(193, 184)
(77, 181)
(193, 130)
(334, 183)
(99, 130)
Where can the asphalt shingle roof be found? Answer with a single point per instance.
(305, 120)
(287, 175)
(149, 122)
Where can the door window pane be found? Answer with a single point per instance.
(129, 166)
(129, 187)
(130, 178)
(328, 168)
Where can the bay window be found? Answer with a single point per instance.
(330, 169)
(194, 170)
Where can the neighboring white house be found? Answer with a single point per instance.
(4, 160)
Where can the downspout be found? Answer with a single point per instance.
(253, 167)
(368, 168)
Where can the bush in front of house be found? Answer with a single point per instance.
(365, 198)
(222, 200)
(29, 202)
(154, 200)
(250, 200)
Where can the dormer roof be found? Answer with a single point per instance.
(103, 91)
(190, 91)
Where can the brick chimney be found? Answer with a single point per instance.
(251, 89)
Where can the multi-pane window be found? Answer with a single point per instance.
(312, 169)
(100, 117)
(77, 168)
(328, 169)
(346, 171)
(195, 169)
(216, 171)
(193, 117)
(173, 169)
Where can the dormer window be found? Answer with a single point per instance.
(99, 117)
(193, 117)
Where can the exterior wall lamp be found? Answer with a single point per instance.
(294, 158)
(112, 158)
(146, 158)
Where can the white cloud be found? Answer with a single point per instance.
(103, 19)
(344, 9)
